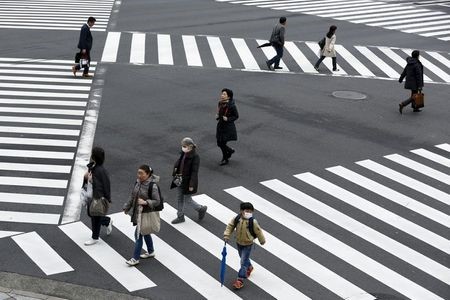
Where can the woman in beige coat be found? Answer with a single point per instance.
(328, 50)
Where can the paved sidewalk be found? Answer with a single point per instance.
(7, 293)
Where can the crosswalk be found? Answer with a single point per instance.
(242, 54)
(54, 14)
(409, 17)
(383, 219)
(42, 108)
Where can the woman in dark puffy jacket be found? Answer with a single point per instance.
(227, 113)
(414, 79)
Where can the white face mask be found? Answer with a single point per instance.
(247, 215)
(185, 149)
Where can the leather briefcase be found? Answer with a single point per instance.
(418, 100)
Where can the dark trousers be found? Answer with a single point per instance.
(276, 59)
(322, 58)
(410, 100)
(86, 68)
(97, 223)
(226, 151)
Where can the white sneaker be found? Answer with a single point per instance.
(148, 255)
(90, 242)
(132, 262)
(109, 228)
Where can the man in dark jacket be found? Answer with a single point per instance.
(277, 41)
(414, 79)
(85, 46)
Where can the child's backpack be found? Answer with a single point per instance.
(250, 225)
(161, 202)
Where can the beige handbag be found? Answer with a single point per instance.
(150, 223)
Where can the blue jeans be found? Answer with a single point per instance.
(244, 254)
(138, 246)
(276, 59)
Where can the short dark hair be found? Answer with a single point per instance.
(146, 169)
(98, 155)
(247, 205)
(282, 20)
(91, 19)
(229, 92)
(415, 53)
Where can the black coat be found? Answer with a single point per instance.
(85, 41)
(190, 171)
(101, 186)
(413, 73)
(226, 130)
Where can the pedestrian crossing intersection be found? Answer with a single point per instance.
(237, 53)
(42, 108)
(54, 14)
(384, 219)
(410, 17)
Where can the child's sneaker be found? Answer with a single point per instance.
(132, 262)
(238, 284)
(249, 271)
(148, 255)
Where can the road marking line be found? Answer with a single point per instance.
(35, 167)
(45, 86)
(31, 199)
(112, 262)
(384, 67)
(218, 52)
(245, 54)
(38, 130)
(362, 8)
(36, 182)
(392, 20)
(42, 254)
(27, 217)
(313, 6)
(445, 147)
(45, 79)
(394, 7)
(445, 61)
(42, 102)
(327, 62)
(25, 110)
(137, 52)
(43, 94)
(191, 50)
(32, 64)
(353, 61)
(433, 157)
(164, 49)
(41, 120)
(381, 14)
(38, 142)
(8, 233)
(422, 23)
(299, 57)
(111, 47)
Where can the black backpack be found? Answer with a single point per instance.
(250, 225)
(161, 202)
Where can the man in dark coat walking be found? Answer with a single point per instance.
(277, 41)
(414, 79)
(85, 46)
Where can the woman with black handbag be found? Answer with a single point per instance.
(101, 195)
(328, 49)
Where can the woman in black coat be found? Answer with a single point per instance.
(227, 113)
(186, 171)
(414, 79)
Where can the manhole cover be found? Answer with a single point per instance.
(351, 95)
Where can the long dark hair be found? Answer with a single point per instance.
(331, 31)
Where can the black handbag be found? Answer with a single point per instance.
(321, 43)
(77, 57)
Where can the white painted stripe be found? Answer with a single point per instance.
(181, 266)
(42, 254)
(31, 199)
(191, 50)
(35, 167)
(406, 180)
(327, 62)
(42, 102)
(364, 7)
(52, 5)
(38, 142)
(45, 79)
(430, 66)
(261, 277)
(46, 73)
(45, 86)
(387, 69)
(445, 147)
(68, 21)
(8, 233)
(422, 23)
(375, 211)
(36, 130)
(308, 7)
(421, 168)
(54, 10)
(245, 54)
(443, 60)
(43, 94)
(42, 66)
(46, 62)
(218, 52)
(270, 52)
(398, 59)
(24, 23)
(137, 52)
(353, 61)
(27, 217)
(36, 182)
(364, 11)
(291, 256)
(299, 57)
(112, 262)
(436, 33)
(334, 246)
(36, 154)
(426, 29)
(164, 49)
(41, 120)
(392, 195)
(111, 47)
(433, 157)
(392, 20)
(447, 38)
(380, 14)
(25, 110)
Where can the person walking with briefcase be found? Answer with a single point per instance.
(413, 75)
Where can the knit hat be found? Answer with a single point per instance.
(187, 141)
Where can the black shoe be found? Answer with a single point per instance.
(416, 110)
(268, 65)
(202, 212)
(316, 68)
(400, 108)
(178, 220)
(277, 68)
(335, 70)
(230, 152)
(223, 162)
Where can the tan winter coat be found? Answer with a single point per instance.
(328, 50)
(243, 235)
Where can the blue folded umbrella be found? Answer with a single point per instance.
(223, 264)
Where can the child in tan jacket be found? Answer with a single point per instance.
(247, 229)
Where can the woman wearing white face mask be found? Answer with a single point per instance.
(185, 180)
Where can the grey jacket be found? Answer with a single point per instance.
(141, 190)
(277, 36)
